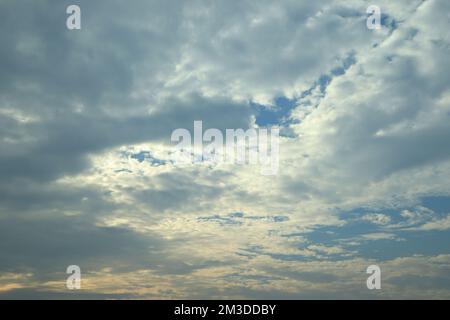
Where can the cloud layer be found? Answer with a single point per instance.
(85, 170)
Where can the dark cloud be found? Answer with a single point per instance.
(48, 245)
(381, 108)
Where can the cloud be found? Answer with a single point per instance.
(435, 224)
(377, 218)
(85, 116)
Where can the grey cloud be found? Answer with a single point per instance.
(79, 85)
(45, 246)
(63, 142)
(65, 96)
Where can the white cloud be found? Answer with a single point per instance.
(377, 218)
(435, 224)
(377, 137)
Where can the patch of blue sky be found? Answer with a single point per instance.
(394, 242)
(222, 220)
(439, 204)
(280, 112)
(361, 237)
(147, 156)
(389, 22)
(276, 115)
(238, 218)
(346, 64)
(427, 243)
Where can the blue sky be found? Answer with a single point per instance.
(87, 178)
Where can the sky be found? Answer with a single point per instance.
(86, 179)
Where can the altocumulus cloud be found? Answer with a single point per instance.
(85, 170)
